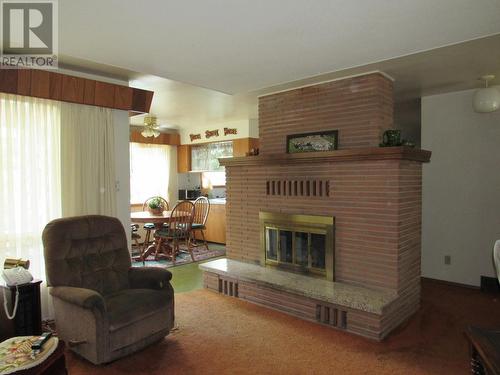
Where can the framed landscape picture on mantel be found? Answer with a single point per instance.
(312, 142)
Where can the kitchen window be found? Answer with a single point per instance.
(205, 157)
(213, 179)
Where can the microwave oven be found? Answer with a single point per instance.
(185, 194)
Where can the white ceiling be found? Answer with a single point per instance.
(452, 68)
(179, 105)
(240, 46)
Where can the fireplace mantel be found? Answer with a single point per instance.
(371, 153)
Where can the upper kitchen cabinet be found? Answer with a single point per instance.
(183, 158)
(242, 146)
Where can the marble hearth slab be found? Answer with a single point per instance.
(355, 297)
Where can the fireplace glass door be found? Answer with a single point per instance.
(302, 250)
(301, 243)
(272, 244)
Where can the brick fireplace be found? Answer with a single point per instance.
(371, 283)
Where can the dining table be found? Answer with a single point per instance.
(158, 220)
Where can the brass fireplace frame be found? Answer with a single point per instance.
(311, 224)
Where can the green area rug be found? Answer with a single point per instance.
(186, 276)
(200, 254)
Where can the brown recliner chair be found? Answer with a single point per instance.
(105, 309)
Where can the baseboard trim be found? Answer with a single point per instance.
(451, 283)
(489, 284)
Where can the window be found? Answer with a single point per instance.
(30, 178)
(199, 158)
(205, 157)
(213, 179)
(149, 171)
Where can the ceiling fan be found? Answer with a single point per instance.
(150, 127)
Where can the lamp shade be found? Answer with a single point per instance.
(486, 100)
(496, 258)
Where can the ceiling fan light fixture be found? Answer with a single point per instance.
(150, 127)
(486, 99)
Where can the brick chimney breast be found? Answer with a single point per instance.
(360, 108)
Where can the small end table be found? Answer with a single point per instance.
(28, 320)
(484, 347)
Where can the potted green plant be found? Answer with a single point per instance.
(155, 206)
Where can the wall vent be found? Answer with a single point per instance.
(332, 316)
(228, 287)
(298, 188)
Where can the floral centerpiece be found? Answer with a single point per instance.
(156, 206)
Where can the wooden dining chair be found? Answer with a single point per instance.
(178, 229)
(149, 227)
(201, 210)
(135, 236)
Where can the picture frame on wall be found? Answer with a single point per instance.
(312, 142)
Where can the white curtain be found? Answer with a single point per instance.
(149, 171)
(56, 159)
(30, 184)
(88, 160)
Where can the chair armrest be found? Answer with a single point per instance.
(149, 278)
(84, 298)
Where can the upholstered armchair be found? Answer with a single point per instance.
(104, 308)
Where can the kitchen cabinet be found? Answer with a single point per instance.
(216, 224)
(183, 158)
(242, 146)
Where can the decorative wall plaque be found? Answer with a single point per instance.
(211, 133)
(230, 131)
(194, 137)
(311, 142)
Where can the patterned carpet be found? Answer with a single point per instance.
(224, 335)
(200, 254)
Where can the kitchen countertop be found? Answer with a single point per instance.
(214, 200)
(217, 201)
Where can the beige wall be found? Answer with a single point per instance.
(122, 168)
(407, 119)
(245, 128)
(461, 188)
